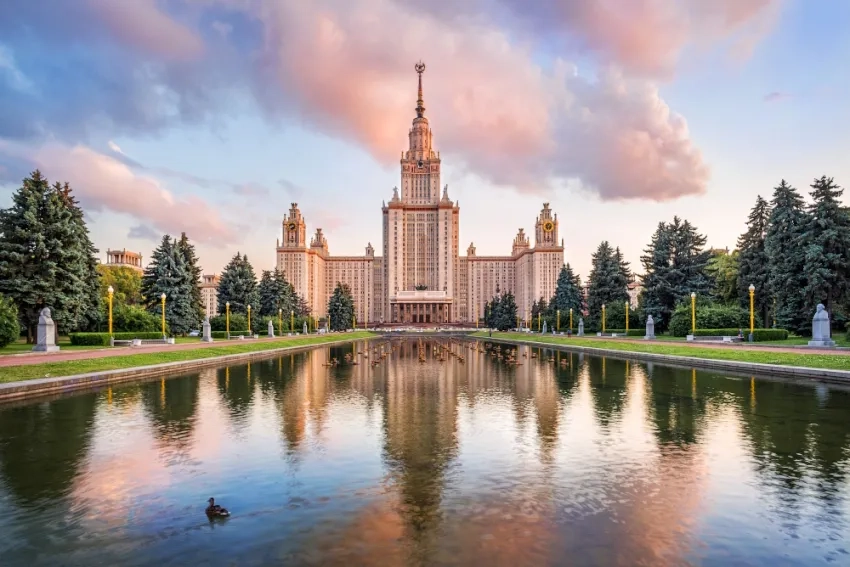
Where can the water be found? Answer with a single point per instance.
(580, 461)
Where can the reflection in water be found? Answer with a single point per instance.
(364, 454)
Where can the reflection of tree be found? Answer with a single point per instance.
(172, 405)
(236, 388)
(608, 381)
(43, 445)
(676, 410)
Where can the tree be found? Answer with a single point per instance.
(275, 293)
(125, 281)
(46, 256)
(501, 311)
(193, 275)
(753, 262)
(722, 270)
(786, 261)
(608, 280)
(238, 286)
(568, 293)
(168, 273)
(341, 308)
(825, 246)
(674, 267)
(10, 329)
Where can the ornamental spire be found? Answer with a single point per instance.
(420, 104)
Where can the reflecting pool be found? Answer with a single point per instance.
(431, 452)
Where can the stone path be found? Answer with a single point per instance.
(63, 356)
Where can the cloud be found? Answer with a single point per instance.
(327, 221)
(101, 183)
(250, 189)
(776, 96)
(495, 109)
(144, 232)
(114, 147)
(291, 188)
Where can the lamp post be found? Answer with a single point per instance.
(280, 321)
(571, 320)
(627, 318)
(693, 313)
(227, 318)
(752, 313)
(558, 321)
(603, 317)
(354, 321)
(162, 297)
(249, 319)
(539, 328)
(109, 293)
(292, 321)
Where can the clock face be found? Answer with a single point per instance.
(292, 226)
(419, 163)
(548, 226)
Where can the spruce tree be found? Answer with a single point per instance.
(722, 270)
(341, 308)
(786, 259)
(567, 293)
(238, 286)
(825, 246)
(45, 256)
(608, 280)
(193, 275)
(168, 273)
(753, 263)
(275, 293)
(505, 312)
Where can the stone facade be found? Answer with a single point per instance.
(421, 276)
(125, 258)
(209, 294)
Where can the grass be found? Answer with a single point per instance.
(122, 361)
(827, 361)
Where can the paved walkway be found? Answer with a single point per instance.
(63, 356)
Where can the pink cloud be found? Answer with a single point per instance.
(101, 183)
(776, 96)
(142, 24)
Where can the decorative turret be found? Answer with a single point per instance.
(471, 250)
(370, 251)
(319, 241)
(520, 242)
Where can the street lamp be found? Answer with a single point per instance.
(162, 297)
(693, 313)
(292, 321)
(603, 318)
(249, 319)
(571, 320)
(280, 321)
(558, 322)
(109, 293)
(627, 318)
(227, 318)
(752, 313)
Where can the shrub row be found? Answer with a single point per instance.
(102, 339)
(758, 334)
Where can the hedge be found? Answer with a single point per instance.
(102, 339)
(758, 334)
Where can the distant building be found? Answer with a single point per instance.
(124, 258)
(209, 294)
(634, 289)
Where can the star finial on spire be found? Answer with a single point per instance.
(420, 104)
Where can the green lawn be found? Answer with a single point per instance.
(54, 369)
(830, 361)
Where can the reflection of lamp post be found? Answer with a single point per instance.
(163, 314)
(249, 319)
(693, 313)
(109, 293)
(227, 318)
(752, 313)
(603, 317)
(627, 318)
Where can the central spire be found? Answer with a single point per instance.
(420, 104)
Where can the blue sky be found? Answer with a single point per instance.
(211, 117)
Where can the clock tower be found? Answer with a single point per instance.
(420, 164)
(546, 229)
(294, 229)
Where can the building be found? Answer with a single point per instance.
(421, 276)
(124, 258)
(209, 294)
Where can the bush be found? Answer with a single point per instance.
(237, 321)
(768, 334)
(134, 319)
(102, 339)
(10, 327)
(758, 334)
(709, 316)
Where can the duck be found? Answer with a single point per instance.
(216, 511)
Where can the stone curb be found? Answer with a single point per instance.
(794, 372)
(11, 391)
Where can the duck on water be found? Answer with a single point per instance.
(216, 511)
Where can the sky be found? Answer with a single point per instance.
(211, 116)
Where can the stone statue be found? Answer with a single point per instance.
(207, 331)
(46, 337)
(581, 326)
(271, 329)
(820, 329)
(305, 327)
(544, 327)
(650, 329)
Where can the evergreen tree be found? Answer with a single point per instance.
(505, 312)
(10, 328)
(753, 263)
(826, 248)
(46, 257)
(674, 267)
(168, 273)
(275, 293)
(568, 293)
(786, 260)
(238, 285)
(608, 280)
(341, 308)
(722, 270)
(193, 275)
